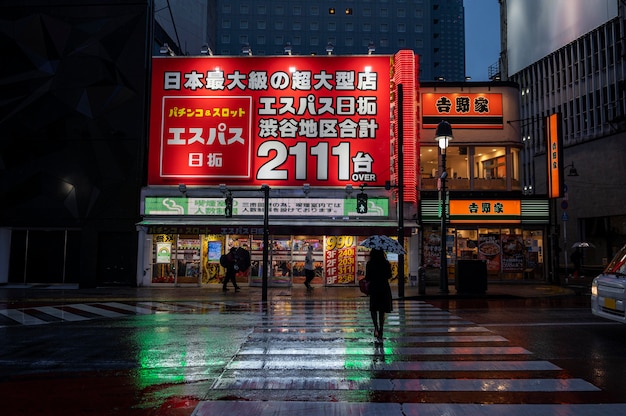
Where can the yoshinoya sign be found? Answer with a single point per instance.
(463, 110)
(281, 121)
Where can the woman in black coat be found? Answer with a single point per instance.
(378, 273)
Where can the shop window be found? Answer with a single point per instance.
(490, 168)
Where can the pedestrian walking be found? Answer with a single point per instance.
(309, 268)
(229, 261)
(378, 273)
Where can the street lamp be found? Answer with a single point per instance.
(443, 135)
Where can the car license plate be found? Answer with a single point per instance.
(609, 303)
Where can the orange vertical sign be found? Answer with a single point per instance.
(554, 155)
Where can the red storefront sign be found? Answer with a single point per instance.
(282, 121)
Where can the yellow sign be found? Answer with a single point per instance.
(481, 210)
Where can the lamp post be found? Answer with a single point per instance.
(443, 135)
(266, 241)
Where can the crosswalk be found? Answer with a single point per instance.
(319, 357)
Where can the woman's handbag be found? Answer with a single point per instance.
(364, 286)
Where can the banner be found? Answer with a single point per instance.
(280, 120)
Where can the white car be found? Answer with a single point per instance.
(608, 290)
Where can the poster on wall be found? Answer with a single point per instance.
(432, 250)
(281, 120)
(340, 260)
(489, 250)
(164, 253)
(512, 253)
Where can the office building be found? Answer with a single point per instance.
(434, 30)
(578, 74)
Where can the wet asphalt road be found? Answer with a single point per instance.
(201, 352)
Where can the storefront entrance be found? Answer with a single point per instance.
(510, 253)
(182, 259)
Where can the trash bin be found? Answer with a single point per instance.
(421, 280)
(471, 276)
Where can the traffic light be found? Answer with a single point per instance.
(228, 209)
(361, 203)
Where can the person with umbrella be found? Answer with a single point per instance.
(378, 273)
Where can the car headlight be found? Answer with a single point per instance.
(594, 288)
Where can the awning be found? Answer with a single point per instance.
(191, 225)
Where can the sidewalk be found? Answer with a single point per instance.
(54, 293)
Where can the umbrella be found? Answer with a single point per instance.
(384, 243)
(583, 244)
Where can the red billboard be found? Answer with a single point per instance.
(281, 120)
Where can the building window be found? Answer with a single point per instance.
(244, 9)
(260, 40)
(367, 27)
(314, 26)
(350, 27)
(243, 24)
(261, 9)
(226, 39)
(279, 25)
(261, 24)
(401, 27)
(332, 26)
(226, 24)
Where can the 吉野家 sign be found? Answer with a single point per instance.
(465, 111)
(276, 120)
(502, 211)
